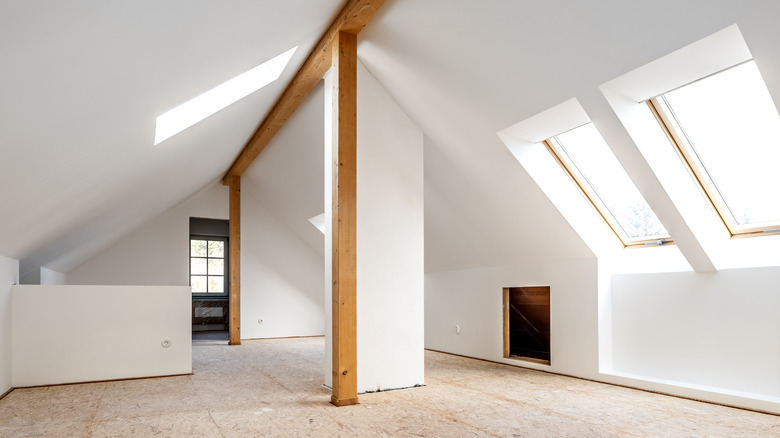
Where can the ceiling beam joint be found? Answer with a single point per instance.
(352, 19)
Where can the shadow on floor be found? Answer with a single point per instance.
(216, 335)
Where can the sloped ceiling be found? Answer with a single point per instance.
(464, 70)
(83, 82)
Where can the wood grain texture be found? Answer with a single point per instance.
(352, 19)
(528, 322)
(344, 249)
(506, 321)
(235, 260)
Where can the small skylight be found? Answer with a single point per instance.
(219, 97)
(727, 129)
(589, 161)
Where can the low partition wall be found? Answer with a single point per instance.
(68, 334)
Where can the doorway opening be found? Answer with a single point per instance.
(527, 323)
(208, 257)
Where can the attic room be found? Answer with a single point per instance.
(525, 211)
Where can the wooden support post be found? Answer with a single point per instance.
(344, 296)
(235, 260)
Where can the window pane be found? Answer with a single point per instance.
(198, 283)
(733, 126)
(216, 248)
(603, 172)
(216, 266)
(197, 266)
(197, 248)
(216, 284)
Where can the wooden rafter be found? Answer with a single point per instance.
(352, 19)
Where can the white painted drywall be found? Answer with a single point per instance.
(390, 242)
(9, 275)
(718, 330)
(327, 250)
(157, 253)
(64, 334)
(281, 276)
(473, 300)
(52, 277)
(712, 337)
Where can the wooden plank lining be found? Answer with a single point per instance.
(527, 323)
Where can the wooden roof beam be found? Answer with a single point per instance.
(352, 19)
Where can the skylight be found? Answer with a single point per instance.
(219, 97)
(587, 158)
(727, 129)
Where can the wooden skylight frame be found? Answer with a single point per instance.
(572, 170)
(696, 168)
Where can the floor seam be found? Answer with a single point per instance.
(213, 421)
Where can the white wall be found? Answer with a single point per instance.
(9, 275)
(281, 276)
(390, 242)
(52, 277)
(473, 300)
(65, 334)
(708, 336)
(717, 330)
(157, 253)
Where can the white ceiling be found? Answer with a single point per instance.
(82, 83)
(464, 70)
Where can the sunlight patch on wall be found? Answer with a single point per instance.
(319, 222)
(219, 97)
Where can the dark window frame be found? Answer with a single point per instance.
(226, 258)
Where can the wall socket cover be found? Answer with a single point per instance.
(165, 343)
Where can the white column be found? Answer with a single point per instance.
(390, 241)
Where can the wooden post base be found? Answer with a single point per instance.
(339, 402)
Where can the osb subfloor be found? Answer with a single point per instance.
(274, 388)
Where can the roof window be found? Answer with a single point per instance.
(726, 128)
(585, 156)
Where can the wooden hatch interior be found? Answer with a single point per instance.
(527, 323)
